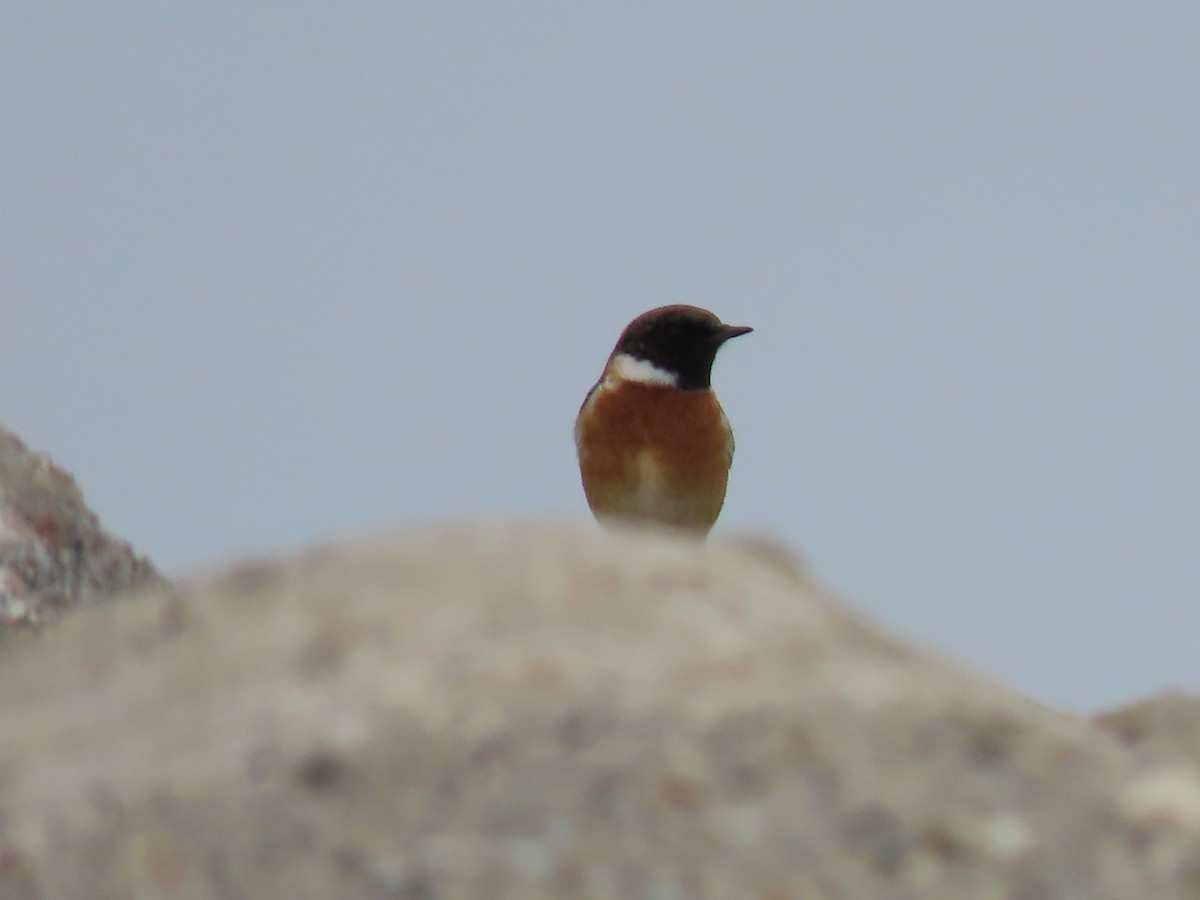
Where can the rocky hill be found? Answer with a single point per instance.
(517, 710)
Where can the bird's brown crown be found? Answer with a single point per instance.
(680, 340)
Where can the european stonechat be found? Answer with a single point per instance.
(654, 445)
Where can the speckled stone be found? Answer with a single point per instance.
(541, 711)
(54, 555)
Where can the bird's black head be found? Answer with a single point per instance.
(679, 340)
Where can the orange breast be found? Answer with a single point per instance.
(654, 454)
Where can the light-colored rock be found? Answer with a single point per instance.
(1162, 728)
(53, 553)
(520, 711)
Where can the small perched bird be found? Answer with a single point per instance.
(654, 445)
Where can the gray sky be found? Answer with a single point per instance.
(283, 272)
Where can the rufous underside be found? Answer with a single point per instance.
(654, 454)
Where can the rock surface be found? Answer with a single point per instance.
(521, 711)
(53, 553)
(1161, 728)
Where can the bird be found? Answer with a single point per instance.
(653, 443)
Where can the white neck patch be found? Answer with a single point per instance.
(630, 368)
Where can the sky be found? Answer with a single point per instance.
(279, 273)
